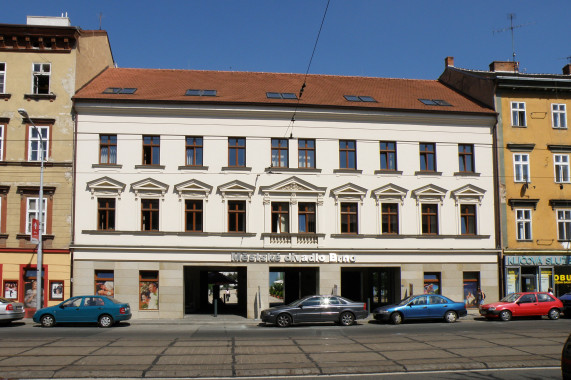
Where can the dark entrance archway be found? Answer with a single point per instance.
(205, 286)
(376, 286)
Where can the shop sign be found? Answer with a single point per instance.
(291, 258)
(538, 260)
(562, 279)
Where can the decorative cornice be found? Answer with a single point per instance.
(523, 203)
(520, 147)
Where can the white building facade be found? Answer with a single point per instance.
(180, 176)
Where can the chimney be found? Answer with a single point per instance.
(508, 66)
(567, 69)
(448, 61)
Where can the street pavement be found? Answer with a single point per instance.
(232, 346)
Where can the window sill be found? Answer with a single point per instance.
(294, 170)
(393, 172)
(466, 174)
(5, 96)
(427, 173)
(190, 167)
(28, 237)
(348, 236)
(347, 171)
(519, 126)
(275, 234)
(237, 168)
(51, 97)
(106, 166)
(150, 167)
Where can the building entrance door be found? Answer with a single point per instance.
(377, 286)
(528, 279)
(289, 284)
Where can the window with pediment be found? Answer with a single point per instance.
(389, 199)
(349, 201)
(429, 201)
(237, 195)
(468, 200)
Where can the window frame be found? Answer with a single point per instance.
(390, 215)
(109, 212)
(194, 153)
(196, 213)
(153, 149)
(310, 216)
(109, 146)
(429, 215)
(465, 158)
(236, 149)
(518, 114)
(41, 73)
(562, 169)
(2, 141)
(470, 216)
(146, 277)
(153, 214)
(566, 222)
(387, 153)
(30, 216)
(349, 214)
(525, 221)
(348, 152)
(281, 152)
(3, 71)
(237, 214)
(280, 210)
(304, 154)
(427, 156)
(559, 115)
(31, 140)
(522, 164)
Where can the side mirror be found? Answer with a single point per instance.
(61, 306)
(410, 304)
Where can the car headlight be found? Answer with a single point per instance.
(492, 308)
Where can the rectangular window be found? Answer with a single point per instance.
(280, 217)
(428, 157)
(518, 114)
(466, 158)
(468, 219)
(388, 151)
(194, 150)
(349, 218)
(432, 283)
(561, 163)
(390, 218)
(149, 290)
(106, 214)
(108, 149)
(280, 153)
(559, 115)
(237, 151)
(306, 153)
(347, 154)
(38, 140)
(306, 215)
(564, 225)
(2, 139)
(429, 219)
(41, 78)
(149, 214)
(2, 77)
(193, 215)
(521, 167)
(33, 212)
(151, 150)
(236, 216)
(523, 224)
(104, 283)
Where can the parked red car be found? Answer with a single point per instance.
(523, 305)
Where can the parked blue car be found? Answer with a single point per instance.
(103, 310)
(427, 306)
(566, 299)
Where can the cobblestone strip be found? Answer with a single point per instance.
(157, 358)
(308, 356)
(233, 353)
(70, 365)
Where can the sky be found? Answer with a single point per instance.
(375, 38)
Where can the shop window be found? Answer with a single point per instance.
(149, 214)
(108, 149)
(151, 150)
(512, 280)
(349, 218)
(306, 153)
(237, 151)
(193, 215)
(347, 154)
(280, 217)
(471, 285)
(194, 150)
(306, 215)
(104, 283)
(390, 218)
(432, 283)
(236, 216)
(280, 153)
(30, 286)
(148, 290)
(106, 214)
(545, 279)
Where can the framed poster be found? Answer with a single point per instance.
(11, 289)
(56, 290)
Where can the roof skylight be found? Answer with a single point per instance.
(119, 90)
(281, 95)
(194, 92)
(359, 98)
(435, 102)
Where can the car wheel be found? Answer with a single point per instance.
(505, 315)
(450, 317)
(48, 321)
(105, 321)
(396, 318)
(554, 314)
(283, 320)
(347, 319)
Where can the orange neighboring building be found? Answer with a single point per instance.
(42, 64)
(533, 149)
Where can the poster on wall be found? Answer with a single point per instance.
(105, 288)
(470, 290)
(30, 293)
(512, 280)
(56, 290)
(149, 295)
(11, 289)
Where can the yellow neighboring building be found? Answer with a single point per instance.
(533, 170)
(42, 64)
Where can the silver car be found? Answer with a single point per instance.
(10, 311)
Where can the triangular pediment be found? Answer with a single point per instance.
(390, 191)
(293, 185)
(105, 185)
(194, 186)
(429, 191)
(468, 191)
(236, 186)
(349, 190)
(149, 186)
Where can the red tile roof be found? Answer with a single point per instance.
(157, 85)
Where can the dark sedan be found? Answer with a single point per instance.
(431, 306)
(316, 309)
(566, 299)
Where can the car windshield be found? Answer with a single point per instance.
(405, 301)
(511, 297)
(297, 302)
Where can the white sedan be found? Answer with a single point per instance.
(10, 311)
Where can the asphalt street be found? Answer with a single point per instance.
(229, 347)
